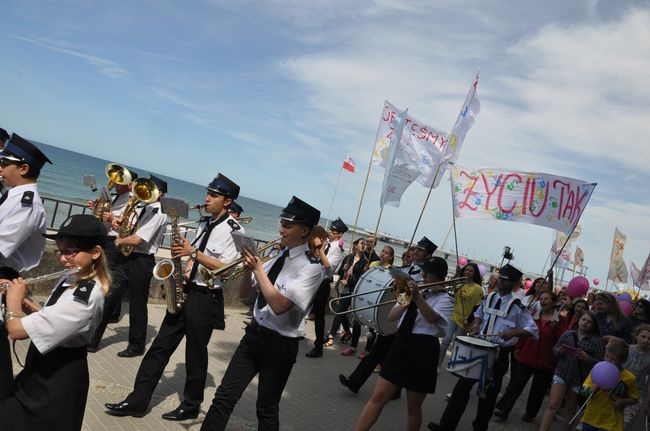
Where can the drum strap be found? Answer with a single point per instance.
(497, 311)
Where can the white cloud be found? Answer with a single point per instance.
(106, 67)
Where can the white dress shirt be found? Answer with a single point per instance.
(220, 246)
(151, 229)
(22, 226)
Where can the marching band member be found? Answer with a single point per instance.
(286, 284)
(137, 268)
(423, 251)
(505, 316)
(50, 392)
(331, 257)
(123, 194)
(203, 310)
(235, 210)
(22, 223)
(412, 357)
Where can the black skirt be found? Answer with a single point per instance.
(412, 363)
(50, 393)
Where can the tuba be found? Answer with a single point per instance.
(117, 174)
(144, 190)
(170, 272)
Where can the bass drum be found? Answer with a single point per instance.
(368, 293)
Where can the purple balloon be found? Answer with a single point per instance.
(482, 269)
(625, 297)
(606, 375)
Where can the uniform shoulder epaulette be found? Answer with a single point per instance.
(233, 224)
(28, 198)
(519, 304)
(311, 257)
(83, 290)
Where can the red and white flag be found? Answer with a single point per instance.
(348, 164)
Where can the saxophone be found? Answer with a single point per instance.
(170, 272)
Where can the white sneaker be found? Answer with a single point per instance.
(448, 396)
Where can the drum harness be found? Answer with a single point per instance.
(463, 364)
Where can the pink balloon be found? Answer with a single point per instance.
(606, 375)
(626, 308)
(578, 286)
(462, 261)
(596, 282)
(528, 284)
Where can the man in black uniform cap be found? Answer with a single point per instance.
(212, 248)
(22, 223)
(235, 210)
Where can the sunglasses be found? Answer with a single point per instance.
(68, 252)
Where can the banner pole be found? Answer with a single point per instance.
(433, 182)
(381, 211)
(329, 211)
(363, 192)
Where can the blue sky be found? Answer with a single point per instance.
(274, 93)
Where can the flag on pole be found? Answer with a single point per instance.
(644, 275)
(348, 164)
(464, 122)
(578, 257)
(401, 166)
(617, 269)
(425, 144)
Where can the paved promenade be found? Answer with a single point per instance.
(313, 399)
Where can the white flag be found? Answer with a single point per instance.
(426, 144)
(464, 122)
(401, 165)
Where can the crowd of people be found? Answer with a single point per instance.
(532, 330)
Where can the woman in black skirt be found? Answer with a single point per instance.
(412, 360)
(50, 392)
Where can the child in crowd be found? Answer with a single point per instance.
(604, 410)
(638, 362)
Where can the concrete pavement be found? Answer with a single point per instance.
(313, 399)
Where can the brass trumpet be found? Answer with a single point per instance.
(402, 292)
(210, 275)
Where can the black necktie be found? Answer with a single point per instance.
(327, 248)
(58, 291)
(409, 320)
(4, 197)
(204, 241)
(497, 306)
(273, 275)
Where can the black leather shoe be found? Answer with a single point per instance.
(180, 414)
(123, 409)
(501, 414)
(316, 352)
(92, 349)
(434, 426)
(130, 352)
(346, 382)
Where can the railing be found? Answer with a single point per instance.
(58, 210)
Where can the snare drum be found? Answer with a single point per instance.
(472, 357)
(368, 293)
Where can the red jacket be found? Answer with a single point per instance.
(539, 353)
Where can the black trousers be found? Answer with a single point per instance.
(367, 365)
(460, 396)
(541, 381)
(260, 351)
(134, 273)
(6, 367)
(318, 308)
(195, 322)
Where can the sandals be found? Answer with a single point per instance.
(347, 336)
(329, 342)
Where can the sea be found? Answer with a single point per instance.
(63, 180)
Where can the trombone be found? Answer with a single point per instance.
(403, 295)
(210, 275)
